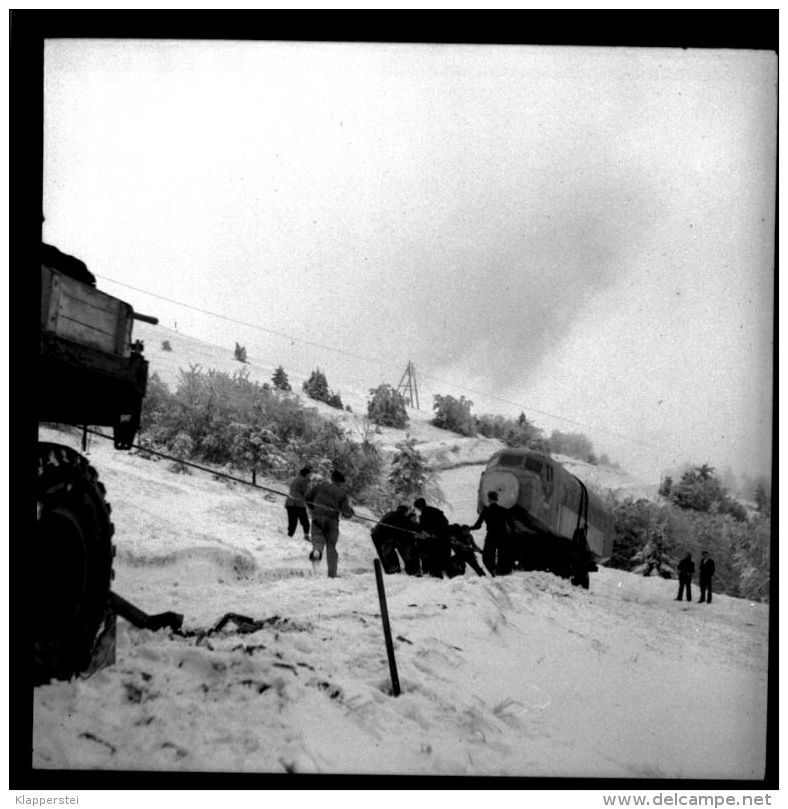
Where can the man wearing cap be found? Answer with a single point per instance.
(327, 502)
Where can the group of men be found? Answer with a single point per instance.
(424, 540)
(420, 541)
(705, 572)
(429, 545)
(426, 543)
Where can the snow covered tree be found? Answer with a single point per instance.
(697, 489)
(316, 387)
(409, 474)
(576, 445)
(280, 380)
(157, 403)
(513, 432)
(182, 447)
(454, 414)
(701, 490)
(335, 401)
(763, 498)
(254, 447)
(751, 558)
(386, 407)
(630, 522)
(655, 557)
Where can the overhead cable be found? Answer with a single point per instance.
(382, 362)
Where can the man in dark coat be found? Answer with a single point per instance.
(408, 545)
(686, 569)
(497, 554)
(295, 505)
(705, 572)
(434, 536)
(464, 549)
(327, 501)
(531, 546)
(395, 532)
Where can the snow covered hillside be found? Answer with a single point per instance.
(443, 449)
(521, 675)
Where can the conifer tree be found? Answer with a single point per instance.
(409, 475)
(316, 387)
(386, 407)
(655, 557)
(334, 400)
(454, 414)
(763, 500)
(280, 380)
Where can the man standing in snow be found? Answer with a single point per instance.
(705, 572)
(686, 569)
(327, 501)
(295, 505)
(434, 534)
(497, 556)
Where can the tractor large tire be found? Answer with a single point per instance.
(73, 561)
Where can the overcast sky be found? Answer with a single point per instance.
(585, 233)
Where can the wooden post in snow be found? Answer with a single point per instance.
(384, 616)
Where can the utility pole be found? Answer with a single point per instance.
(407, 386)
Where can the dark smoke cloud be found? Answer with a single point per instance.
(510, 295)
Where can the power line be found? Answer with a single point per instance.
(381, 362)
(246, 323)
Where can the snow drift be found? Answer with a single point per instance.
(519, 676)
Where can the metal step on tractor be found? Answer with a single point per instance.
(90, 372)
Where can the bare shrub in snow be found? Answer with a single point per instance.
(182, 449)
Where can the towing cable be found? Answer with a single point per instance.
(217, 473)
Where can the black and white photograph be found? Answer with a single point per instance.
(405, 409)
